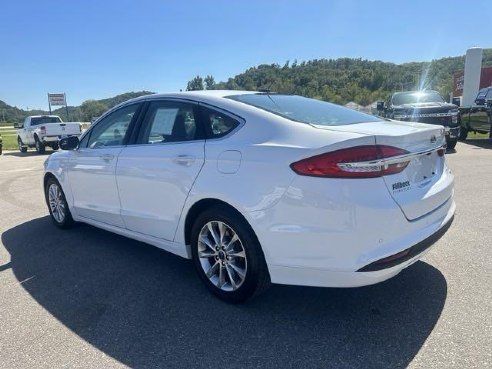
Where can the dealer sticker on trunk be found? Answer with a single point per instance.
(401, 186)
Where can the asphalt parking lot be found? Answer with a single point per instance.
(86, 298)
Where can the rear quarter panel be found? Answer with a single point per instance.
(267, 144)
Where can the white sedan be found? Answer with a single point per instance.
(259, 187)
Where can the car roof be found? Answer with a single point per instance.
(44, 116)
(413, 92)
(209, 96)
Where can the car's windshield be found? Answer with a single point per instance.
(403, 98)
(44, 120)
(305, 110)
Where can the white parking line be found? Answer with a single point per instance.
(19, 170)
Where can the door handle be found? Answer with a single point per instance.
(107, 157)
(185, 160)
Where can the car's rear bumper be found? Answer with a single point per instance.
(334, 236)
(55, 139)
(372, 273)
(327, 278)
(50, 139)
(409, 253)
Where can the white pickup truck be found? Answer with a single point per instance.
(40, 131)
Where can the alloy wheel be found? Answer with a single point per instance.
(56, 202)
(222, 256)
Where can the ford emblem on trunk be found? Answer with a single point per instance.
(433, 139)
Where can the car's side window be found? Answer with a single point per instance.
(111, 130)
(170, 121)
(217, 123)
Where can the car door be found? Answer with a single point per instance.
(155, 175)
(478, 119)
(27, 136)
(92, 168)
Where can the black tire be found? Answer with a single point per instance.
(463, 133)
(67, 220)
(22, 148)
(1, 149)
(55, 147)
(257, 278)
(40, 148)
(451, 144)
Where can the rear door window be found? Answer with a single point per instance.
(217, 124)
(170, 121)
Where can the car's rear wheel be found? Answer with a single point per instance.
(40, 148)
(55, 147)
(22, 148)
(57, 204)
(228, 256)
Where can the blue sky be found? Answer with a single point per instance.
(97, 49)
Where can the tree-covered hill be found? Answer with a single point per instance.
(343, 80)
(85, 112)
(336, 80)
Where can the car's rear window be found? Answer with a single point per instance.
(305, 110)
(44, 120)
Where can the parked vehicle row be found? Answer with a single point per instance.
(423, 106)
(477, 118)
(259, 187)
(40, 131)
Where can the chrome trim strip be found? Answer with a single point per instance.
(388, 161)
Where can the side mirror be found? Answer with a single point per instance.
(69, 143)
(18, 125)
(380, 106)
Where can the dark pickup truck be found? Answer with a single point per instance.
(426, 107)
(477, 118)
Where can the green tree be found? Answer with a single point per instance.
(91, 109)
(209, 82)
(195, 84)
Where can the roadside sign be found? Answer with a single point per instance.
(57, 99)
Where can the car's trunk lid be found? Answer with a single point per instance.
(423, 185)
(62, 129)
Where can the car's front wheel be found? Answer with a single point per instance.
(451, 144)
(57, 204)
(22, 148)
(228, 256)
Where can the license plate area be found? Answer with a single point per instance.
(422, 168)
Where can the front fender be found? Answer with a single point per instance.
(58, 165)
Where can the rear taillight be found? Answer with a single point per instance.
(355, 162)
(42, 129)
